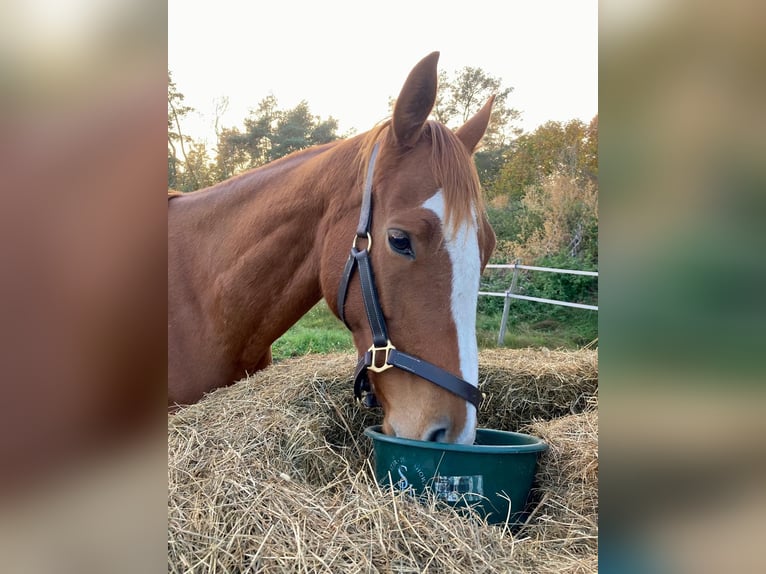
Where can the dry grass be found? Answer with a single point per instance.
(273, 475)
(524, 385)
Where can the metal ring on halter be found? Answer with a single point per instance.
(369, 242)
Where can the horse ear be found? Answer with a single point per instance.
(415, 101)
(471, 132)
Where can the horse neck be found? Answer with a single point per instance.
(264, 252)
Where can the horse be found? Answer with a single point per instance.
(388, 226)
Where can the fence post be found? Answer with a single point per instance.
(507, 303)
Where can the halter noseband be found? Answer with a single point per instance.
(382, 355)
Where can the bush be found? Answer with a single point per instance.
(564, 287)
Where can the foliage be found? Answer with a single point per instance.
(566, 148)
(559, 216)
(460, 97)
(489, 161)
(270, 133)
(564, 287)
(545, 207)
(199, 170)
(177, 110)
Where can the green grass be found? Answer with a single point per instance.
(319, 331)
(548, 333)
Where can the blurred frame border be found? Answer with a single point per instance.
(682, 315)
(682, 311)
(83, 252)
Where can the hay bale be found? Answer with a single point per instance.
(274, 474)
(521, 386)
(567, 481)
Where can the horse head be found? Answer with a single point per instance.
(426, 242)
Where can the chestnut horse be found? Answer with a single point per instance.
(248, 257)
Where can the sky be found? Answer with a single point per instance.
(346, 59)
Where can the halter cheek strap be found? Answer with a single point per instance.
(382, 355)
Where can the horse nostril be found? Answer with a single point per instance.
(438, 434)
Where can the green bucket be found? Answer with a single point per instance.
(493, 476)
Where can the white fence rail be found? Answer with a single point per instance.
(509, 294)
(533, 268)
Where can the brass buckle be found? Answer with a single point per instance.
(373, 349)
(369, 242)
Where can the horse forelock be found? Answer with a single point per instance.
(452, 167)
(456, 174)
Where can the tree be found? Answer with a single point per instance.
(544, 201)
(590, 151)
(567, 148)
(297, 129)
(176, 111)
(461, 97)
(270, 133)
(199, 170)
(232, 156)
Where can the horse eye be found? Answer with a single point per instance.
(400, 242)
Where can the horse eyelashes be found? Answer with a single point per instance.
(400, 242)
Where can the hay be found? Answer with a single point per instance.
(273, 474)
(525, 385)
(568, 481)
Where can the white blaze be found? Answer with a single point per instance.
(463, 250)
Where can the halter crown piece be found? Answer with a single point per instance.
(382, 355)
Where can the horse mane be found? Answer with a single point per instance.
(452, 167)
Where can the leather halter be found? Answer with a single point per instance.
(382, 355)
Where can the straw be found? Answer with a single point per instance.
(273, 474)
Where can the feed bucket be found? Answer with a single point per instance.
(493, 476)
